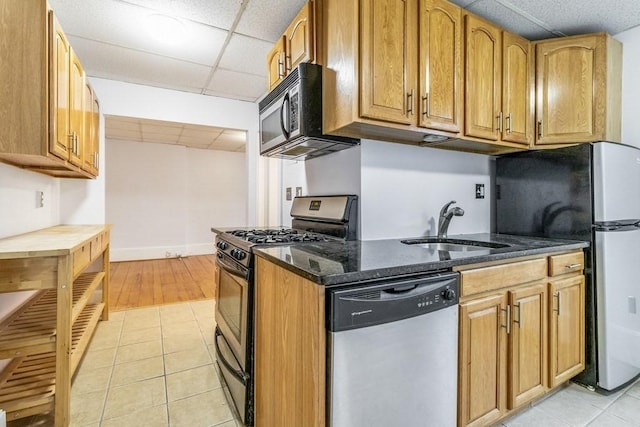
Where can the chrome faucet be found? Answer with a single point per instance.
(445, 218)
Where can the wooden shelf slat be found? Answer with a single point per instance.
(27, 385)
(32, 329)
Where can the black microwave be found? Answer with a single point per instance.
(291, 118)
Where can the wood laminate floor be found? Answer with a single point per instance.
(135, 284)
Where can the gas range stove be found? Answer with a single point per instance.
(238, 243)
(314, 219)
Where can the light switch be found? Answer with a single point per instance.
(288, 193)
(39, 199)
(298, 191)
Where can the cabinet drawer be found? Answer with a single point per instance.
(81, 258)
(96, 246)
(566, 263)
(500, 276)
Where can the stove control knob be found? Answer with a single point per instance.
(448, 294)
(222, 245)
(238, 254)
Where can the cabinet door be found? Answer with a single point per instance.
(517, 123)
(387, 89)
(76, 112)
(275, 64)
(95, 134)
(60, 142)
(527, 344)
(482, 78)
(300, 40)
(566, 320)
(565, 110)
(440, 72)
(90, 151)
(482, 359)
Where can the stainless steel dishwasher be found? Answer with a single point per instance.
(393, 353)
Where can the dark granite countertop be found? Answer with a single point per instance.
(338, 263)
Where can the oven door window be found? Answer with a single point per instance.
(232, 292)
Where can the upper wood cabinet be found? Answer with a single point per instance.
(387, 79)
(300, 38)
(91, 134)
(440, 65)
(43, 75)
(76, 110)
(578, 89)
(483, 70)
(297, 44)
(517, 90)
(60, 141)
(497, 83)
(275, 63)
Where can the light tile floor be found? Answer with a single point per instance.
(575, 406)
(154, 367)
(149, 367)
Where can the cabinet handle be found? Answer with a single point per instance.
(287, 63)
(557, 295)
(519, 321)
(539, 129)
(425, 101)
(507, 326)
(571, 266)
(280, 68)
(509, 123)
(499, 118)
(410, 103)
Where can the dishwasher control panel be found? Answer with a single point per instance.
(374, 304)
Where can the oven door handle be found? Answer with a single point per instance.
(241, 376)
(230, 268)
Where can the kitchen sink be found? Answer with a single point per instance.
(453, 245)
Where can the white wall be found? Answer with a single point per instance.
(165, 198)
(630, 86)
(401, 188)
(336, 173)
(404, 187)
(126, 99)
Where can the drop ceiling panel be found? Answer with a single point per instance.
(161, 130)
(132, 66)
(129, 135)
(241, 85)
(241, 53)
(510, 20)
(583, 16)
(267, 19)
(228, 146)
(127, 25)
(218, 13)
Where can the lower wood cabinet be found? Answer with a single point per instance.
(520, 334)
(566, 329)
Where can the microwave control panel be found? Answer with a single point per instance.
(293, 111)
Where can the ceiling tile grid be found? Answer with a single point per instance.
(163, 132)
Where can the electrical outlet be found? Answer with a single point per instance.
(288, 192)
(298, 191)
(39, 199)
(479, 191)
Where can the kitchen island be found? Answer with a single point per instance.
(529, 276)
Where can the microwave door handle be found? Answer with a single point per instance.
(283, 111)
